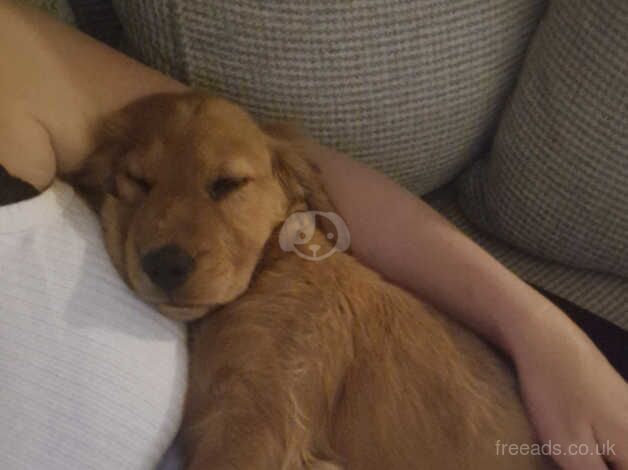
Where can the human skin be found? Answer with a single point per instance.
(56, 85)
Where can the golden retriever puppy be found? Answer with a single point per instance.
(295, 364)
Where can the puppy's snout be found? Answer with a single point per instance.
(168, 267)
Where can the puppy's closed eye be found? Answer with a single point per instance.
(129, 187)
(142, 183)
(221, 187)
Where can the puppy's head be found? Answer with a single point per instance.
(192, 189)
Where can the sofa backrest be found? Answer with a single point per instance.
(412, 87)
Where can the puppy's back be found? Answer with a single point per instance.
(375, 379)
(423, 385)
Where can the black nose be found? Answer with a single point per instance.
(168, 267)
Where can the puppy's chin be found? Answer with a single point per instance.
(186, 314)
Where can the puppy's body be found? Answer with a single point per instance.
(323, 363)
(305, 365)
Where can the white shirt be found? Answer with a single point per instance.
(90, 377)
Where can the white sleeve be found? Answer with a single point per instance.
(90, 377)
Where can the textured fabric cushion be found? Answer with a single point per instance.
(604, 294)
(556, 182)
(412, 87)
(98, 19)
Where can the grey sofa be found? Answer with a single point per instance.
(509, 116)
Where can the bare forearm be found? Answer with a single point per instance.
(408, 242)
(55, 85)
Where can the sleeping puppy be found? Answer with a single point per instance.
(294, 364)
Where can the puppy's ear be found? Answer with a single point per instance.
(299, 178)
(133, 124)
(96, 177)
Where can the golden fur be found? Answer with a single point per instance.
(294, 364)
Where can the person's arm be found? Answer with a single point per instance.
(572, 393)
(56, 84)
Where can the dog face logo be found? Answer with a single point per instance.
(298, 230)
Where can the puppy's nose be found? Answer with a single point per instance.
(168, 267)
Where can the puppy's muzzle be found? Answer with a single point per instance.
(168, 267)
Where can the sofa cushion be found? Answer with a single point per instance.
(411, 87)
(604, 294)
(556, 181)
(98, 19)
